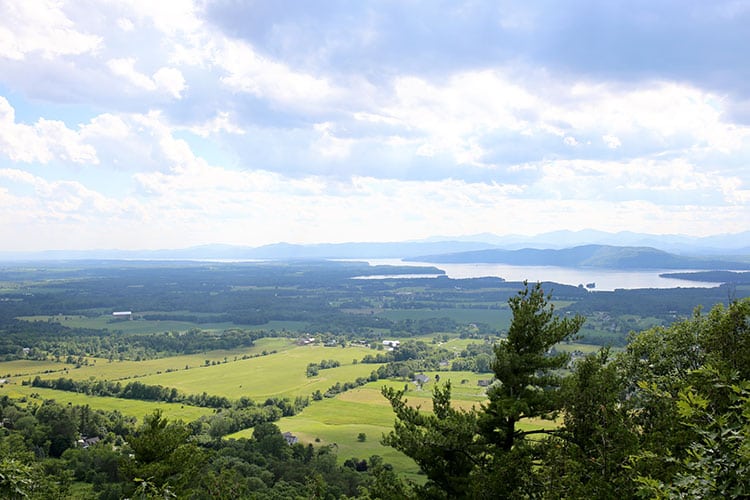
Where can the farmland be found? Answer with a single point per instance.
(226, 347)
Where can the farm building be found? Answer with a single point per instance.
(391, 343)
(290, 438)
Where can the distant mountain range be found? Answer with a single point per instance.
(599, 256)
(722, 244)
(574, 248)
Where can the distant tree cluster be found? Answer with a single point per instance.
(314, 368)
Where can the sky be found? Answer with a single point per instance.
(141, 124)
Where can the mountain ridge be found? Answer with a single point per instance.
(594, 256)
(728, 246)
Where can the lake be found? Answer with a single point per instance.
(605, 279)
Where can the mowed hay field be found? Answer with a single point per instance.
(338, 421)
(332, 421)
(128, 407)
(282, 374)
(136, 326)
(103, 369)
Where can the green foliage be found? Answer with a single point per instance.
(667, 418)
(16, 478)
(157, 438)
(717, 463)
(468, 452)
(527, 372)
(442, 443)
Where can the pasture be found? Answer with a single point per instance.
(496, 318)
(336, 421)
(282, 374)
(128, 407)
(103, 369)
(135, 326)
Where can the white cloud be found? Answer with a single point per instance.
(41, 26)
(249, 72)
(61, 200)
(125, 67)
(165, 79)
(44, 141)
(222, 122)
(328, 147)
(611, 141)
(125, 24)
(171, 80)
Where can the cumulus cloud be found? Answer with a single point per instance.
(374, 120)
(41, 142)
(41, 26)
(165, 79)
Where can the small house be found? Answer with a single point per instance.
(87, 441)
(290, 438)
(391, 344)
(421, 379)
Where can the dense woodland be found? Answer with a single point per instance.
(665, 416)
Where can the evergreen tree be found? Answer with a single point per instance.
(527, 372)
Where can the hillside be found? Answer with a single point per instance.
(600, 256)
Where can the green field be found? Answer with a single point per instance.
(99, 368)
(21, 367)
(496, 318)
(129, 407)
(336, 421)
(135, 326)
(339, 420)
(282, 374)
(142, 326)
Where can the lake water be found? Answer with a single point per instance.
(605, 279)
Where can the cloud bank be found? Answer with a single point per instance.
(133, 124)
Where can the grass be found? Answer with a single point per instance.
(282, 374)
(129, 407)
(102, 369)
(338, 421)
(496, 318)
(136, 326)
(21, 367)
(143, 326)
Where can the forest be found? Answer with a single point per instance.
(632, 393)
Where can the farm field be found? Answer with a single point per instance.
(103, 369)
(135, 326)
(129, 407)
(340, 420)
(496, 318)
(282, 374)
(21, 367)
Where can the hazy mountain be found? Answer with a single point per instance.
(277, 251)
(736, 245)
(723, 244)
(600, 256)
